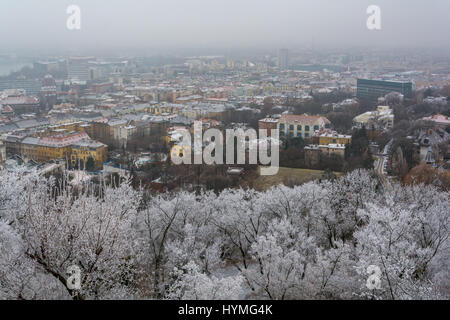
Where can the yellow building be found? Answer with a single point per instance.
(327, 136)
(77, 126)
(76, 147)
(83, 150)
(169, 108)
(47, 152)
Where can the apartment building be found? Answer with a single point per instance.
(82, 150)
(313, 152)
(269, 124)
(74, 147)
(328, 136)
(381, 118)
(303, 125)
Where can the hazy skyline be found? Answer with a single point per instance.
(41, 25)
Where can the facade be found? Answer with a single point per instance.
(219, 112)
(19, 102)
(436, 100)
(301, 125)
(328, 136)
(381, 118)
(6, 111)
(122, 134)
(74, 147)
(100, 130)
(78, 68)
(268, 124)
(12, 143)
(118, 132)
(439, 120)
(314, 151)
(99, 88)
(50, 148)
(81, 151)
(373, 89)
(333, 149)
(48, 91)
(283, 59)
(2, 152)
(312, 155)
(30, 86)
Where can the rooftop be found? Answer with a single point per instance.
(304, 118)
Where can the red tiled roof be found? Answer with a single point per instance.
(64, 140)
(440, 118)
(6, 109)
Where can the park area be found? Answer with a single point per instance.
(288, 176)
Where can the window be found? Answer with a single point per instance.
(299, 128)
(316, 128)
(306, 128)
(291, 127)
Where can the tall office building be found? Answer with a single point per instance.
(78, 68)
(283, 59)
(31, 86)
(373, 89)
(48, 91)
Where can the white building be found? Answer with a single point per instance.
(381, 118)
(2, 152)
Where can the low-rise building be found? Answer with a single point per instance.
(381, 118)
(268, 124)
(19, 102)
(328, 136)
(82, 150)
(328, 149)
(303, 125)
(436, 100)
(314, 151)
(73, 147)
(438, 119)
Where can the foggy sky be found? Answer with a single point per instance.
(38, 24)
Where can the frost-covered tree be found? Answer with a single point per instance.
(405, 240)
(290, 265)
(240, 217)
(315, 241)
(58, 229)
(281, 258)
(92, 232)
(191, 284)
